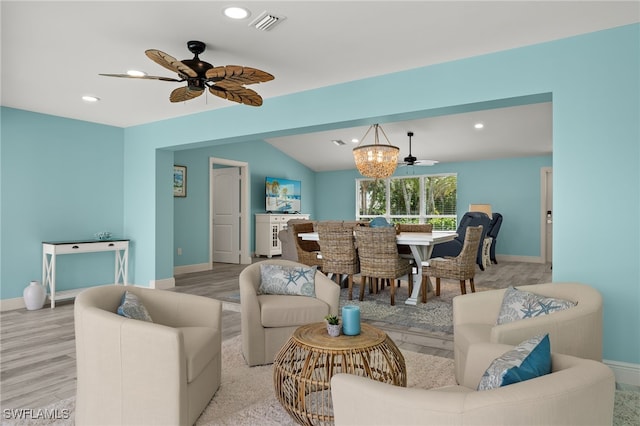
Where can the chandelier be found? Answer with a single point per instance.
(377, 160)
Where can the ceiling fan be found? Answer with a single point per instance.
(410, 160)
(226, 81)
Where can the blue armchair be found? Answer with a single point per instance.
(454, 247)
(494, 227)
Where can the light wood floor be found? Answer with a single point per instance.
(37, 348)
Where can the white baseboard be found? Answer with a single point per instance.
(527, 259)
(186, 269)
(18, 302)
(164, 284)
(12, 304)
(625, 372)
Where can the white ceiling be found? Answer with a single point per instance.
(52, 53)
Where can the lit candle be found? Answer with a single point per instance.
(351, 320)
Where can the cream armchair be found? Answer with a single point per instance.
(267, 321)
(576, 392)
(575, 331)
(132, 372)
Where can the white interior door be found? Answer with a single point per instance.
(226, 215)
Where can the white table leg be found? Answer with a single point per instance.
(49, 276)
(418, 256)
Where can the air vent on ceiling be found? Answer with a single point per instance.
(266, 21)
(338, 142)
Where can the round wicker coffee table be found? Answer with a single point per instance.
(304, 366)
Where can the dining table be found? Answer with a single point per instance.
(421, 245)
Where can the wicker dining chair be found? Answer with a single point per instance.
(308, 251)
(405, 250)
(339, 255)
(379, 258)
(461, 267)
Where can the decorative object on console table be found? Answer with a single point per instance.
(333, 325)
(34, 296)
(103, 236)
(179, 181)
(351, 320)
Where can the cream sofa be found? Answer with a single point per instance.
(576, 331)
(577, 392)
(267, 321)
(132, 372)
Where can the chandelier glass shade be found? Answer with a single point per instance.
(376, 160)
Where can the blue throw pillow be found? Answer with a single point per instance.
(519, 304)
(379, 222)
(132, 307)
(528, 360)
(287, 280)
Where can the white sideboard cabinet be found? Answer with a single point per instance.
(267, 227)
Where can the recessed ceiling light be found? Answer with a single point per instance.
(235, 12)
(136, 73)
(89, 98)
(478, 125)
(355, 140)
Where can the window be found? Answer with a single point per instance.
(412, 199)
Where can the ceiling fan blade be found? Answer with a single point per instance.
(237, 74)
(170, 63)
(236, 93)
(418, 163)
(146, 77)
(182, 94)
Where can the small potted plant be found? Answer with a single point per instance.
(333, 325)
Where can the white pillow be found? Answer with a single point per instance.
(287, 280)
(518, 304)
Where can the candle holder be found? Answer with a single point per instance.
(350, 320)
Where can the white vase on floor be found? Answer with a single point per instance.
(34, 296)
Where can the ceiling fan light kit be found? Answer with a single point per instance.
(410, 160)
(226, 82)
(378, 160)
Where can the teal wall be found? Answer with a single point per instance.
(191, 232)
(511, 186)
(593, 80)
(121, 178)
(61, 179)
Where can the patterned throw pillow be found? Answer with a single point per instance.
(518, 304)
(287, 280)
(132, 307)
(528, 360)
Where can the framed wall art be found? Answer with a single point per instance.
(179, 181)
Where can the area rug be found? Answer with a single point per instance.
(246, 395)
(435, 316)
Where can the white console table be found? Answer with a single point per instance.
(51, 249)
